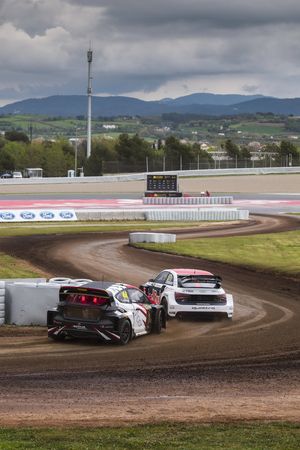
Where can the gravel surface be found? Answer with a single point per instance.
(204, 371)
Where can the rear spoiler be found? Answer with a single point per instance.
(80, 291)
(203, 279)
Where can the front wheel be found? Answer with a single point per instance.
(164, 304)
(124, 332)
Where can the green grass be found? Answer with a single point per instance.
(276, 436)
(15, 268)
(277, 252)
(259, 128)
(25, 229)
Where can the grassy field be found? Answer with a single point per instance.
(15, 268)
(275, 436)
(25, 229)
(278, 252)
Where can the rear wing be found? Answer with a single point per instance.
(84, 296)
(198, 280)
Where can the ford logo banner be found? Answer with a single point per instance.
(37, 215)
(27, 215)
(66, 214)
(47, 215)
(7, 215)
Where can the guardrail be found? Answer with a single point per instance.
(142, 176)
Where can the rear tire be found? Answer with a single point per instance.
(124, 332)
(158, 322)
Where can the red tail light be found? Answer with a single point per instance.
(86, 299)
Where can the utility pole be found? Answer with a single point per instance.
(89, 93)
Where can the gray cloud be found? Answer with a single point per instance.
(149, 48)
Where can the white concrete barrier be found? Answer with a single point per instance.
(199, 214)
(151, 237)
(27, 302)
(183, 214)
(188, 200)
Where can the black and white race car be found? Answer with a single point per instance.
(111, 312)
(189, 291)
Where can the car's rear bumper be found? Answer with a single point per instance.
(83, 331)
(227, 308)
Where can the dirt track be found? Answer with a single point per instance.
(196, 371)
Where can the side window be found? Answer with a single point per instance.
(123, 297)
(137, 296)
(161, 277)
(170, 279)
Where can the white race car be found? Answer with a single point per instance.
(188, 291)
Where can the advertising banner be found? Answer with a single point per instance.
(37, 215)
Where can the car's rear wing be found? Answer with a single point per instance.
(84, 296)
(198, 280)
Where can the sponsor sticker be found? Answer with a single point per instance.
(6, 215)
(47, 215)
(66, 214)
(27, 215)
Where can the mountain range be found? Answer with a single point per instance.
(201, 104)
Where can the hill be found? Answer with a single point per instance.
(201, 104)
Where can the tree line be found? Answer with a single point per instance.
(57, 157)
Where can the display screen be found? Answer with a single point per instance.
(161, 182)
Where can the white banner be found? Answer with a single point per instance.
(37, 215)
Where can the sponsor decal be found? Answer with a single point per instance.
(66, 214)
(7, 215)
(27, 215)
(47, 215)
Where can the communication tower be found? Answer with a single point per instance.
(89, 93)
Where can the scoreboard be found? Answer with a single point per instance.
(162, 183)
(162, 186)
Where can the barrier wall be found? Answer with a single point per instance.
(187, 200)
(151, 237)
(188, 214)
(196, 214)
(27, 302)
(111, 214)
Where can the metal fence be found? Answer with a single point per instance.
(164, 164)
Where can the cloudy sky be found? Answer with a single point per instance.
(149, 49)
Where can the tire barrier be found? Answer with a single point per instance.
(151, 237)
(180, 215)
(2, 302)
(187, 200)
